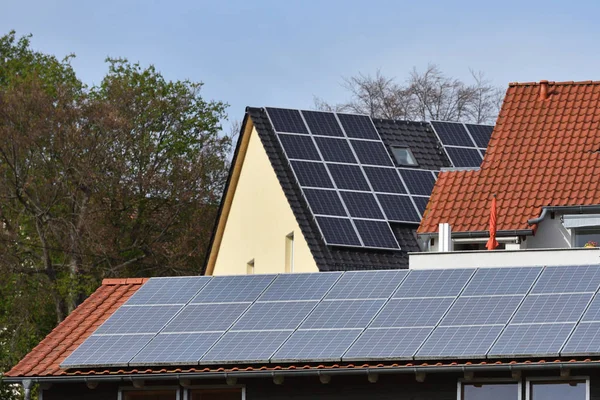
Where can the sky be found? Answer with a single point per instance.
(283, 53)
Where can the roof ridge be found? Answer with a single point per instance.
(124, 281)
(589, 82)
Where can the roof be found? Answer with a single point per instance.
(541, 153)
(45, 358)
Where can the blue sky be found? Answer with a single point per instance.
(284, 52)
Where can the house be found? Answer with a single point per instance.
(542, 164)
(316, 191)
(469, 334)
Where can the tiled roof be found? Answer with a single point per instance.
(45, 358)
(542, 153)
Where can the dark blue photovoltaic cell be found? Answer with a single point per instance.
(593, 311)
(245, 347)
(481, 134)
(402, 313)
(482, 310)
(384, 180)
(388, 343)
(225, 289)
(452, 133)
(585, 341)
(376, 234)
(500, 281)
(338, 231)
(434, 283)
(459, 341)
(349, 177)
(367, 284)
(398, 208)
(113, 350)
(299, 147)
(576, 278)
(371, 153)
(325, 202)
(311, 174)
(206, 317)
(138, 319)
(362, 205)
(285, 120)
(336, 314)
(552, 308)
(421, 203)
(316, 345)
(300, 286)
(274, 315)
(335, 150)
(180, 348)
(464, 158)
(358, 126)
(418, 181)
(322, 123)
(531, 340)
(172, 290)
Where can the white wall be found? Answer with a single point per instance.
(550, 234)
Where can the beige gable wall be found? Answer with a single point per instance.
(258, 222)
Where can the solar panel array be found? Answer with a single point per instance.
(352, 316)
(465, 144)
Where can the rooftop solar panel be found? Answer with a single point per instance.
(481, 134)
(325, 202)
(348, 177)
(388, 343)
(285, 120)
(335, 150)
(580, 278)
(593, 312)
(402, 313)
(338, 231)
(300, 147)
(552, 308)
(175, 290)
(206, 317)
(452, 133)
(434, 283)
(362, 205)
(358, 126)
(177, 348)
(384, 180)
(371, 153)
(337, 314)
(464, 158)
(245, 347)
(275, 316)
(322, 123)
(228, 289)
(418, 181)
(482, 310)
(585, 341)
(311, 174)
(366, 284)
(300, 286)
(502, 281)
(138, 319)
(112, 350)
(316, 345)
(459, 341)
(398, 208)
(421, 203)
(376, 234)
(531, 340)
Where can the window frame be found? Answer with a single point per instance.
(556, 379)
(489, 381)
(187, 393)
(124, 389)
(410, 154)
(575, 232)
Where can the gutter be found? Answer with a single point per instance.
(482, 234)
(308, 372)
(564, 209)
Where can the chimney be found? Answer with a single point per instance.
(543, 90)
(445, 238)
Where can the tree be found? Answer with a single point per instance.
(427, 95)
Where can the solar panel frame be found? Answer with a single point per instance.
(311, 174)
(448, 342)
(376, 234)
(274, 316)
(232, 289)
(320, 345)
(245, 347)
(551, 308)
(482, 310)
(296, 287)
(322, 123)
(384, 180)
(417, 181)
(138, 319)
(502, 281)
(531, 340)
(298, 147)
(209, 317)
(286, 120)
(366, 284)
(378, 344)
(575, 279)
(106, 351)
(342, 314)
(411, 313)
(173, 290)
(348, 177)
(462, 157)
(358, 126)
(362, 205)
(175, 349)
(371, 153)
(449, 283)
(335, 150)
(325, 202)
(338, 231)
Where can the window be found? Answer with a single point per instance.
(289, 252)
(250, 267)
(403, 156)
(490, 391)
(583, 236)
(216, 394)
(576, 389)
(150, 395)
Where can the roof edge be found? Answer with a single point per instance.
(511, 84)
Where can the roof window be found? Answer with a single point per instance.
(403, 156)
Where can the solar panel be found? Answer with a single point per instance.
(362, 205)
(206, 317)
(174, 290)
(325, 202)
(552, 308)
(274, 316)
(311, 174)
(399, 313)
(300, 286)
(358, 126)
(349, 177)
(531, 340)
(336, 314)
(452, 133)
(388, 343)
(335, 150)
(418, 181)
(371, 153)
(585, 341)
(316, 345)
(580, 278)
(285, 120)
(481, 134)
(433, 283)
(398, 208)
(322, 123)
(225, 289)
(245, 347)
(138, 319)
(376, 234)
(366, 284)
(112, 350)
(177, 348)
(338, 231)
(421, 203)
(501, 281)
(459, 341)
(299, 147)
(482, 310)
(593, 312)
(384, 180)
(464, 158)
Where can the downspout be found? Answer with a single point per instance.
(27, 384)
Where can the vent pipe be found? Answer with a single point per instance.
(543, 90)
(445, 238)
